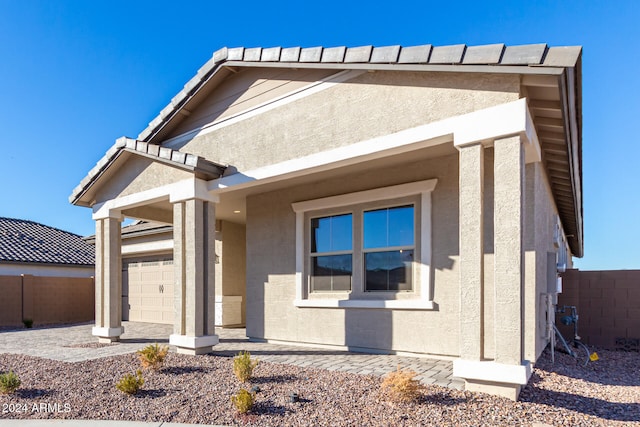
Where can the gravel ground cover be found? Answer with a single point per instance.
(198, 390)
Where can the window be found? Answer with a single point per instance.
(388, 249)
(331, 253)
(369, 249)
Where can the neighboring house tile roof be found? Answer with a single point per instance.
(28, 241)
(137, 229)
(142, 227)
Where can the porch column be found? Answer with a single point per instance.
(108, 279)
(509, 169)
(471, 251)
(194, 261)
(507, 372)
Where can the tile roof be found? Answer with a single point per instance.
(145, 226)
(196, 164)
(28, 241)
(459, 55)
(532, 59)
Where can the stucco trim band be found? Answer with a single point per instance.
(98, 331)
(486, 125)
(135, 248)
(188, 189)
(184, 341)
(379, 304)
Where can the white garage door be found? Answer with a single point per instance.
(147, 290)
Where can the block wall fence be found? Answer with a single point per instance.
(608, 304)
(46, 300)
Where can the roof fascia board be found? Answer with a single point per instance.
(76, 200)
(568, 98)
(180, 104)
(459, 68)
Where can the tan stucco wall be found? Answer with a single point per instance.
(46, 300)
(271, 287)
(370, 105)
(138, 174)
(231, 270)
(539, 235)
(246, 89)
(489, 288)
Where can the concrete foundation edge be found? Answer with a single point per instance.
(193, 345)
(493, 378)
(107, 335)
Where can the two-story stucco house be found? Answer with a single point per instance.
(388, 199)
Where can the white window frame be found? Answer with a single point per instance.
(331, 253)
(423, 299)
(364, 251)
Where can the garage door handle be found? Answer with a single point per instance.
(161, 288)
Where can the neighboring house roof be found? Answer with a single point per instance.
(30, 242)
(551, 77)
(140, 228)
(137, 229)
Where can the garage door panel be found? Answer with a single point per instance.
(150, 290)
(151, 276)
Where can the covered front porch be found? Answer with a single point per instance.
(171, 190)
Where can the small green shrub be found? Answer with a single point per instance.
(9, 382)
(401, 385)
(243, 366)
(28, 323)
(243, 401)
(130, 383)
(152, 356)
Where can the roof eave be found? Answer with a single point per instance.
(200, 167)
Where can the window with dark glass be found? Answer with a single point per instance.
(388, 248)
(331, 253)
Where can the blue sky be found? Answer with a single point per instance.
(76, 75)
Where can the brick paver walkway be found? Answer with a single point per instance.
(61, 343)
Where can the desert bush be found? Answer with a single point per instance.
(152, 356)
(243, 401)
(130, 383)
(28, 323)
(9, 382)
(401, 385)
(243, 366)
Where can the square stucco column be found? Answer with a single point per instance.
(508, 372)
(509, 170)
(471, 251)
(194, 261)
(108, 280)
